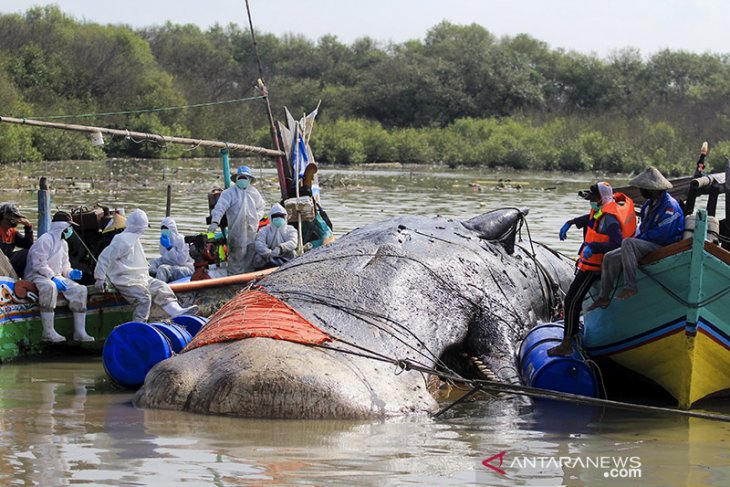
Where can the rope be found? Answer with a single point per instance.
(683, 301)
(354, 312)
(490, 385)
(458, 401)
(147, 110)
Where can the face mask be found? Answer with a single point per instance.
(165, 233)
(595, 206)
(242, 183)
(278, 222)
(67, 233)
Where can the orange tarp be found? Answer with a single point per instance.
(255, 314)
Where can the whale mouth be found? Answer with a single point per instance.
(266, 378)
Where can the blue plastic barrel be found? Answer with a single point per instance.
(562, 374)
(176, 334)
(191, 323)
(131, 350)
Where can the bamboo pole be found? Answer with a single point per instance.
(143, 136)
(168, 200)
(44, 206)
(265, 94)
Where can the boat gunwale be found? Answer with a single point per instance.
(683, 246)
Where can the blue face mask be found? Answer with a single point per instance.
(595, 206)
(278, 221)
(242, 183)
(67, 233)
(165, 233)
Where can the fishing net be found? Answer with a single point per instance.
(257, 314)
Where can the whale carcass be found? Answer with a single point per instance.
(434, 293)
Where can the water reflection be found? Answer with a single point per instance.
(63, 423)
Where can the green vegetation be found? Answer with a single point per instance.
(460, 96)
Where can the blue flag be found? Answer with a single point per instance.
(300, 156)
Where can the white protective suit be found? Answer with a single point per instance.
(123, 264)
(276, 243)
(48, 257)
(174, 263)
(243, 209)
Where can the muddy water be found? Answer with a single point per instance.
(63, 423)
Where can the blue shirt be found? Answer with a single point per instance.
(662, 223)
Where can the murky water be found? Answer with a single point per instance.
(63, 423)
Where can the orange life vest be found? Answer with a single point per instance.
(8, 236)
(623, 209)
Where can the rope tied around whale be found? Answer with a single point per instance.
(257, 314)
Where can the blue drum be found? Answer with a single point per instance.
(191, 323)
(562, 374)
(176, 335)
(130, 352)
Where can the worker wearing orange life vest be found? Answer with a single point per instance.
(612, 218)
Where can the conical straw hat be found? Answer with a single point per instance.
(651, 179)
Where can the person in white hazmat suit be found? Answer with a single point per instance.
(49, 269)
(243, 206)
(174, 262)
(124, 265)
(277, 241)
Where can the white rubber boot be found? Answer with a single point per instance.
(80, 334)
(174, 309)
(49, 333)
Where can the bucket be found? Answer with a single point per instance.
(191, 323)
(561, 374)
(131, 350)
(713, 228)
(176, 335)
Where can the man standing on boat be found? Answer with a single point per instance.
(612, 218)
(50, 270)
(123, 264)
(174, 262)
(10, 218)
(662, 223)
(243, 207)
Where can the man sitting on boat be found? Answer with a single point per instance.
(174, 262)
(10, 218)
(123, 264)
(277, 241)
(612, 218)
(48, 267)
(662, 223)
(243, 207)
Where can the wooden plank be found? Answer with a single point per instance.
(675, 248)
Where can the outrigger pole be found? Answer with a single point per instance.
(143, 136)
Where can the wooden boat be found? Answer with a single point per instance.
(20, 326)
(20, 321)
(676, 330)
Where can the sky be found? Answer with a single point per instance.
(601, 27)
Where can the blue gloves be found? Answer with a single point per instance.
(75, 274)
(587, 252)
(165, 242)
(564, 231)
(60, 283)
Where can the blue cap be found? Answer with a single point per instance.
(244, 171)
